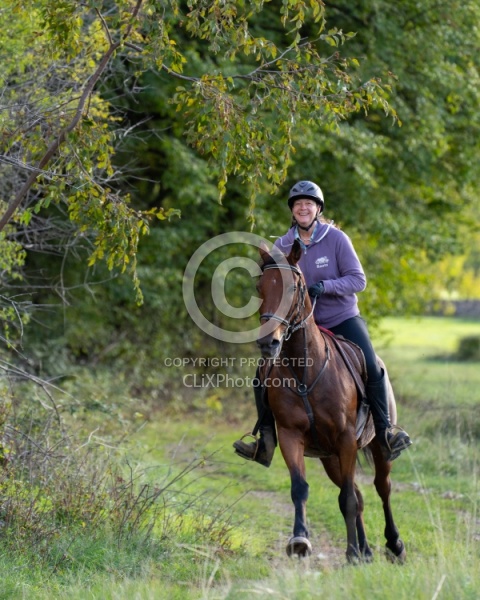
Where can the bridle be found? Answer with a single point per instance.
(298, 309)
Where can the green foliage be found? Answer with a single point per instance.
(72, 505)
(406, 195)
(253, 92)
(79, 38)
(72, 48)
(13, 311)
(469, 348)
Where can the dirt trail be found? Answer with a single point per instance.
(326, 554)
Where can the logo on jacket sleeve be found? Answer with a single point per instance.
(322, 262)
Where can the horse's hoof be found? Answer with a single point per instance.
(367, 556)
(398, 554)
(353, 558)
(299, 546)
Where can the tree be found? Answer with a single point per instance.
(406, 194)
(258, 88)
(59, 134)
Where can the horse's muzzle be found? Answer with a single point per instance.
(270, 348)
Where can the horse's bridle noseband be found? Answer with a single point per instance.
(290, 328)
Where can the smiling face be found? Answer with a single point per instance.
(305, 210)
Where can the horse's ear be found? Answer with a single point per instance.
(264, 252)
(295, 253)
(273, 255)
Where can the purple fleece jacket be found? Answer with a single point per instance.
(331, 258)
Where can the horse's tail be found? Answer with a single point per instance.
(367, 455)
(367, 436)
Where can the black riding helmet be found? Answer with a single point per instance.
(306, 189)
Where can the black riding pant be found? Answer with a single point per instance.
(355, 330)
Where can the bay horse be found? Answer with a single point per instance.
(317, 415)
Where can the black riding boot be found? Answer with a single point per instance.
(392, 438)
(262, 449)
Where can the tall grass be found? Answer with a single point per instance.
(192, 520)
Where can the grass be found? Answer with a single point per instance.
(430, 381)
(228, 520)
(420, 356)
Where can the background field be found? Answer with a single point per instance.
(221, 528)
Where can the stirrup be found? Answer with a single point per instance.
(257, 445)
(396, 448)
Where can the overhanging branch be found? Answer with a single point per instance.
(60, 139)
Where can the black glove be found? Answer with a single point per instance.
(316, 290)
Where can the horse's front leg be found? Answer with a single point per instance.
(365, 550)
(292, 446)
(347, 501)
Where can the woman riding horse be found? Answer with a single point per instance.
(334, 275)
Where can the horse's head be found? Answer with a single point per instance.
(284, 298)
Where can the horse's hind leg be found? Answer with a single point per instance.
(292, 450)
(395, 547)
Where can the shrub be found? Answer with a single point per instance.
(68, 498)
(469, 348)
